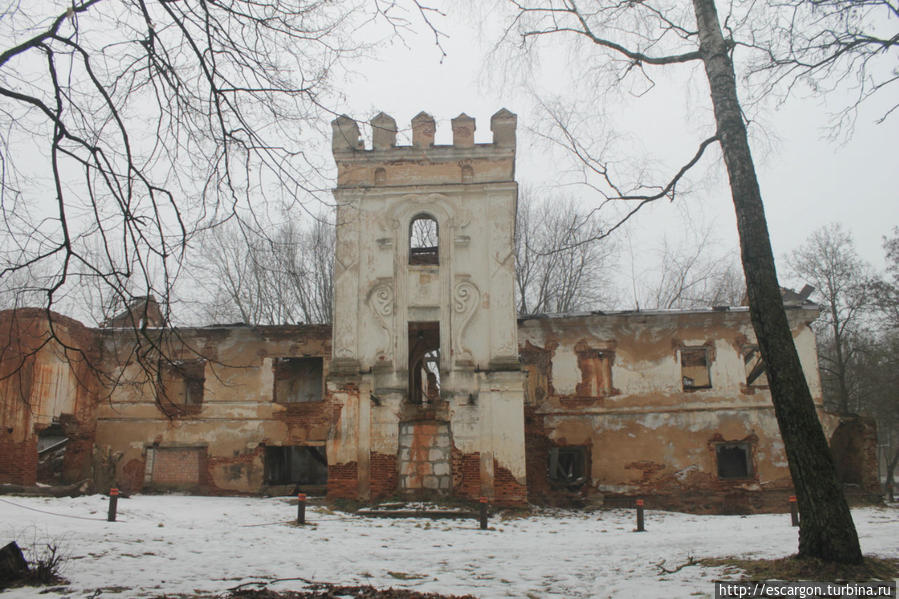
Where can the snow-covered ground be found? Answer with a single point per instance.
(180, 544)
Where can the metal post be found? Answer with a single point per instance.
(113, 504)
(640, 516)
(794, 511)
(301, 508)
(483, 513)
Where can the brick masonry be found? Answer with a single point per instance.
(178, 466)
(343, 481)
(466, 474)
(384, 475)
(18, 460)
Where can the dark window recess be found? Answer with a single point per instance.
(423, 240)
(695, 368)
(183, 381)
(756, 371)
(296, 465)
(568, 466)
(424, 362)
(733, 460)
(298, 380)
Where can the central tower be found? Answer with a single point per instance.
(425, 346)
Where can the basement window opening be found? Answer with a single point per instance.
(423, 240)
(296, 465)
(568, 466)
(695, 368)
(756, 371)
(733, 460)
(298, 380)
(424, 362)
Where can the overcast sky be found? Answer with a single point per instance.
(807, 181)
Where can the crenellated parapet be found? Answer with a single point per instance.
(387, 164)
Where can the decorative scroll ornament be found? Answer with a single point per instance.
(380, 300)
(465, 302)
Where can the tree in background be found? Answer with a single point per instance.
(881, 375)
(693, 272)
(886, 290)
(562, 261)
(279, 278)
(844, 283)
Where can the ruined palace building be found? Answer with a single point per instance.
(427, 383)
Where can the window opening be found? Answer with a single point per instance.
(298, 380)
(695, 368)
(183, 381)
(423, 240)
(733, 460)
(51, 453)
(424, 362)
(296, 465)
(596, 371)
(568, 465)
(756, 371)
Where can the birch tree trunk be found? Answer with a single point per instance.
(826, 529)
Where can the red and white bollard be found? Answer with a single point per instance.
(301, 508)
(794, 511)
(113, 504)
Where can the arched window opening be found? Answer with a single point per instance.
(423, 240)
(424, 362)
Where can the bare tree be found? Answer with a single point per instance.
(886, 290)
(827, 45)
(873, 377)
(631, 39)
(554, 271)
(129, 127)
(280, 278)
(694, 273)
(829, 262)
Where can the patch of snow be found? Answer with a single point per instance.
(181, 544)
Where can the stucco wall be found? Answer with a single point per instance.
(644, 433)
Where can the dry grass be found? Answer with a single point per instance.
(796, 568)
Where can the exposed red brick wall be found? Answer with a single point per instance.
(854, 449)
(18, 461)
(507, 491)
(343, 481)
(466, 474)
(179, 466)
(383, 475)
(536, 452)
(132, 477)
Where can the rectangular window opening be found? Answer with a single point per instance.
(424, 362)
(695, 368)
(733, 460)
(756, 371)
(296, 465)
(596, 372)
(298, 380)
(568, 466)
(183, 381)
